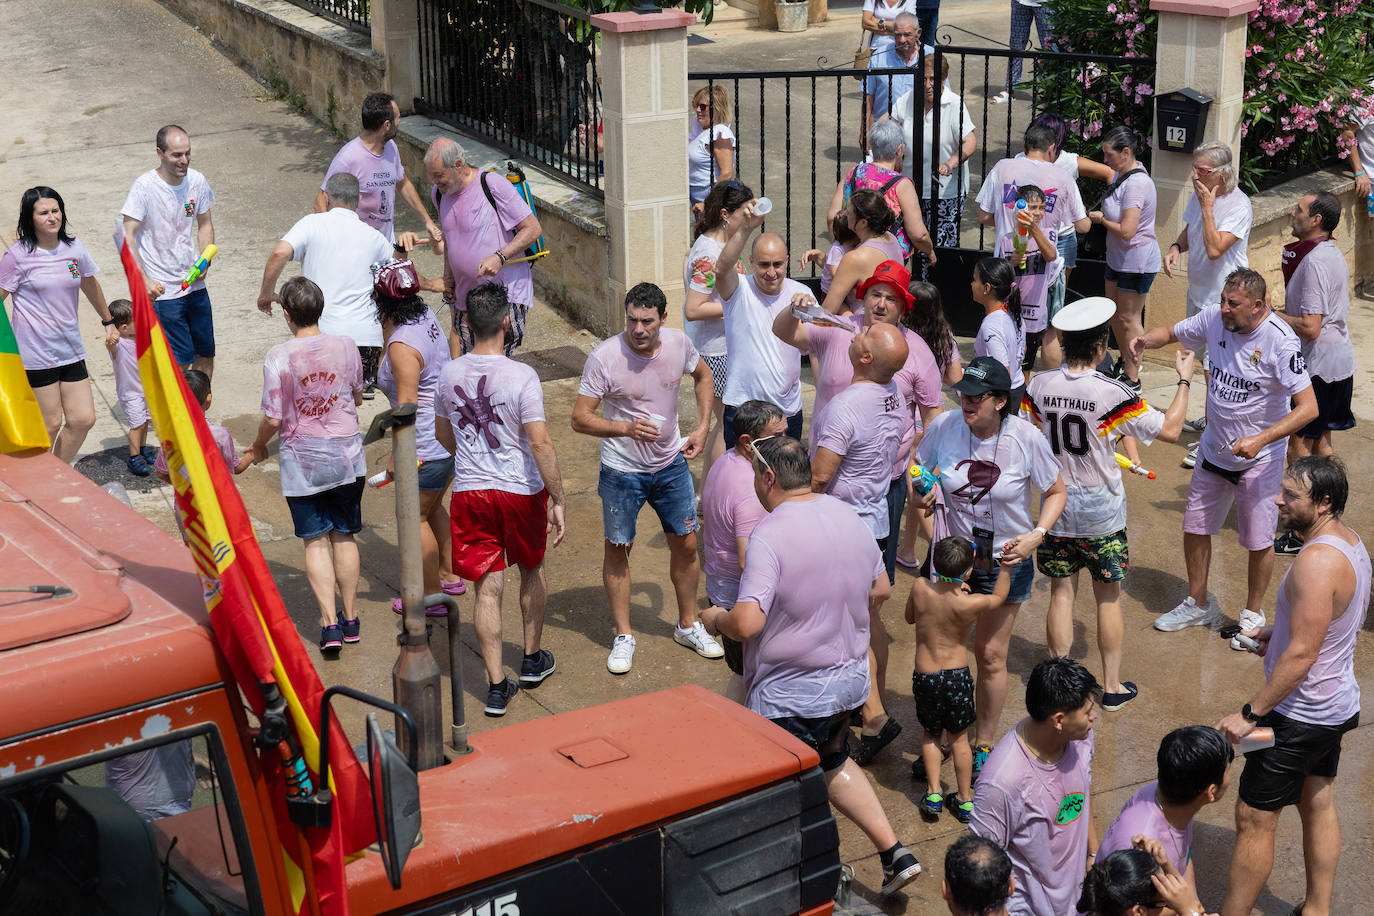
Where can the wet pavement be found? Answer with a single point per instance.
(91, 129)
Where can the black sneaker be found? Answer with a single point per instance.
(499, 696)
(149, 453)
(869, 745)
(1111, 702)
(901, 872)
(534, 670)
(1288, 544)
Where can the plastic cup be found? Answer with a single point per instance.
(763, 206)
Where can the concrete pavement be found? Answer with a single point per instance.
(89, 117)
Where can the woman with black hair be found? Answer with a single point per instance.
(867, 215)
(1137, 882)
(704, 317)
(1002, 335)
(42, 274)
(415, 349)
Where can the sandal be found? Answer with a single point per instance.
(455, 588)
(434, 610)
(870, 745)
(908, 564)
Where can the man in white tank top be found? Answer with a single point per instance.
(1310, 696)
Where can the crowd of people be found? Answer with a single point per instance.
(804, 524)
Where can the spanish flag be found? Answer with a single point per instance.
(250, 622)
(21, 422)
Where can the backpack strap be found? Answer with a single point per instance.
(486, 189)
(890, 182)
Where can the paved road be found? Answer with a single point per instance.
(87, 128)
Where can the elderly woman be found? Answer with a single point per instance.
(888, 147)
(1215, 236)
(1128, 213)
(42, 275)
(710, 143)
(948, 159)
(312, 385)
(414, 352)
(988, 461)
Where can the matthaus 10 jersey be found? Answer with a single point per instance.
(1082, 414)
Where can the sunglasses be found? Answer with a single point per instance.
(754, 447)
(975, 398)
(1203, 170)
(703, 106)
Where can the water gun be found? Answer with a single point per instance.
(923, 480)
(1126, 465)
(201, 266)
(1020, 238)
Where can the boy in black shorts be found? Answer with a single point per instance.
(944, 612)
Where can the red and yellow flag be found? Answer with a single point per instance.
(21, 422)
(247, 615)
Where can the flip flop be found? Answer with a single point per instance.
(908, 564)
(455, 588)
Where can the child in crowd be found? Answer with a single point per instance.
(844, 242)
(129, 389)
(1192, 764)
(943, 613)
(1037, 266)
(199, 383)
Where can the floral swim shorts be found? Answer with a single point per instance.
(1107, 559)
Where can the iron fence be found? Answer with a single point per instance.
(521, 74)
(356, 14)
(799, 132)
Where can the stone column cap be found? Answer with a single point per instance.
(1220, 9)
(649, 22)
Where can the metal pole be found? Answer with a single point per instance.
(458, 729)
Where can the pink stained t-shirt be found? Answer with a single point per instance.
(309, 384)
(1142, 815)
(633, 387)
(473, 230)
(46, 287)
(128, 382)
(863, 425)
(1039, 814)
(829, 350)
(919, 380)
(730, 509)
(1139, 254)
(810, 565)
(488, 400)
(429, 340)
(227, 451)
(377, 177)
(1063, 202)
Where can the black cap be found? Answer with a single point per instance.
(982, 375)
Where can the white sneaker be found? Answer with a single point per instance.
(1249, 620)
(698, 640)
(622, 654)
(1001, 98)
(1188, 614)
(1190, 459)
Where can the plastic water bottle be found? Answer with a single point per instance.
(1369, 205)
(1257, 740)
(763, 206)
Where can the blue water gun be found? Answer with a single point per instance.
(922, 479)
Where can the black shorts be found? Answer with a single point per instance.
(944, 700)
(827, 735)
(734, 654)
(1273, 778)
(72, 372)
(1333, 408)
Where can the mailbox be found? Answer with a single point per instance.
(1180, 118)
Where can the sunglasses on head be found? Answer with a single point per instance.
(754, 448)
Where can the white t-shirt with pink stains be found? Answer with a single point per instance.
(309, 383)
(47, 288)
(633, 387)
(167, 238)
(863, 425)
(488, 400)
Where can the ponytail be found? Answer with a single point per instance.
(999, 275)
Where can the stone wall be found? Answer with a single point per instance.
(574, 276)
(1270, 230)
(321, 66)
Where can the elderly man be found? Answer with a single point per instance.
(812, 577)
(881, 91)
(1310, 696)
(336, 250)
(765, 368)
(1316, 306)
(167, 213)
(373, 159)
(1216, 232)
(637, 374)
(1257, 370)
(486, 227)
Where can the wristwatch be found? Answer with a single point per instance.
(1248, 714)
(108, 323)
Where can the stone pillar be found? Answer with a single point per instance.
(643, 69)
(1201, 45)
(396, 36)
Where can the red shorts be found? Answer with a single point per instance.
(493, 529)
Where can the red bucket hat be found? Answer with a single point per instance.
(894, 275)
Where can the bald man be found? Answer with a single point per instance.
(764, 368)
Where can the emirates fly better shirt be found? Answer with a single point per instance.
(1251, 379)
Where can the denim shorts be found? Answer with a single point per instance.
(668, 490)
(188, 325)
(1022, 575)
(339, 510)
(436, 473)
(1129, 282)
